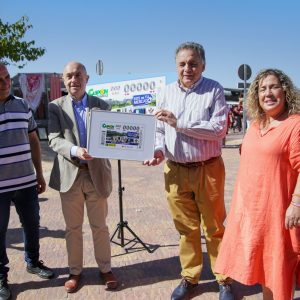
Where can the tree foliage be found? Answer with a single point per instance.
(13, 49)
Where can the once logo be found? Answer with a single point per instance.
(102, 92)
(108, 126)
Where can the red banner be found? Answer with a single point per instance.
(32, 86)
(55, 87)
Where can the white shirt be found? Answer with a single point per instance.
(201, 113)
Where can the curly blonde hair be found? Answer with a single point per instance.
(292, 95)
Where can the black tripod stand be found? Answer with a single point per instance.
(124, 224)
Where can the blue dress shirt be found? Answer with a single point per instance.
(80, 112)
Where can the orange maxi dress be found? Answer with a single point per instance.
(256, 247)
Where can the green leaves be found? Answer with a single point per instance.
(13, 49)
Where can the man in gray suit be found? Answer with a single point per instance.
(78, 177)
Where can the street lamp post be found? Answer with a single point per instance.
(244, 73)
(99, 67)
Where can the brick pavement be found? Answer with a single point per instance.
(142, 275)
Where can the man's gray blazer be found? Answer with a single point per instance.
(63, 135)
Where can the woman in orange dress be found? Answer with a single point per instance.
(262, 238)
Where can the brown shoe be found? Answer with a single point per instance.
(110, 280)
(71, 285)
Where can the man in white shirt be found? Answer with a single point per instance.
(192, 121)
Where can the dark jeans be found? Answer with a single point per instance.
(27, 207)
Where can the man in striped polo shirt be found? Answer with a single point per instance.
(192, 120)
(21, 179)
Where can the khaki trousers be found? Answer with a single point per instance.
(196, 198)
(83, 192)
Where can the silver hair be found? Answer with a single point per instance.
(198, 48)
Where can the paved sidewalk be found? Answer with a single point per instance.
(142, 275)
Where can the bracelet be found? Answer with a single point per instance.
(295, 204)
(297, 195)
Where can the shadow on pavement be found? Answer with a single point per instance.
(15, 236)
(18, 288)
(136, 275)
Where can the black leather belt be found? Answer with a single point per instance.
(83, 167)
(194, 164)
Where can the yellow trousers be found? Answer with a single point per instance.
(196, 199)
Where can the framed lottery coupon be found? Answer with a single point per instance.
(126, 136)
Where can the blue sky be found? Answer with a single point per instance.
(137, 39)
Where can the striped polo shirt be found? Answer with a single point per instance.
(201, 113)
(16, 166)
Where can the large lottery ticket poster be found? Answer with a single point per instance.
(122, 136)
(131, 96)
